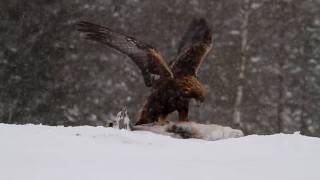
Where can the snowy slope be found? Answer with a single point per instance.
(33, 152)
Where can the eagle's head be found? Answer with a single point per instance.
(190, 87)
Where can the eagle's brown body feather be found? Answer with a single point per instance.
(171, 95)
(178, 83)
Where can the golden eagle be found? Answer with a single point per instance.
(172, 85)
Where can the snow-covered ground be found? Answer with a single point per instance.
(33, 152)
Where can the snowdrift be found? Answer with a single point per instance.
(35, 152)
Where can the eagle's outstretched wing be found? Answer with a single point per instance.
(193, 48)
(148, 59)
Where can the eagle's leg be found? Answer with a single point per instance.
(183, 114)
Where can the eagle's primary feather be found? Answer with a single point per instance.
(178, 82)
(148, 59)
(193, 48)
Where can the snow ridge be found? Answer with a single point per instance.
(36, 152)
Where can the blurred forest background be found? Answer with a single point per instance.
(263, 74)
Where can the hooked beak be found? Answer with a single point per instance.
(199, 101)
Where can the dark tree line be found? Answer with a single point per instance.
(263, 74)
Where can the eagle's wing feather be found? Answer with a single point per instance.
(148, 59)
(193, 48)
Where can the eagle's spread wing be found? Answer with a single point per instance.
(193, 48)
(148, 59)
